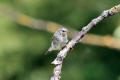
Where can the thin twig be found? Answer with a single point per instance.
(63, 53)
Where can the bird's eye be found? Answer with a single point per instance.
(63, 31)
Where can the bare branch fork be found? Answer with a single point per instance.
(63, 53)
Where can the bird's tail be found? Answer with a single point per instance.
(48, 51)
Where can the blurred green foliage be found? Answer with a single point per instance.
(22, 49)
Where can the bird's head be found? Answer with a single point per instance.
(63, 30)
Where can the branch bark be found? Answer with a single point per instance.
(63, 53)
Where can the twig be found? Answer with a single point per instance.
(52, 26)
(63, 53)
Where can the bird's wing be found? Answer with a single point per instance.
(53, 38)
(55, 41)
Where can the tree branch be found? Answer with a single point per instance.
(63, 53)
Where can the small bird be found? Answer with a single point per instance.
(59, 40)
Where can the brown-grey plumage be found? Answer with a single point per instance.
(59, 40)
